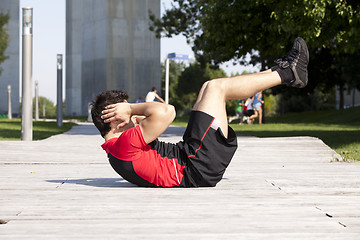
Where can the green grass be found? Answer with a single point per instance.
(338, 129)
(11, 129)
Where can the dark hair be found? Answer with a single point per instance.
(98, 105)
(153, 89)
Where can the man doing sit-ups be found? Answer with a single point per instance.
(131, 130)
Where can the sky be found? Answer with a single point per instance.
(49, 40)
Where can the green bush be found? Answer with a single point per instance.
(50, 108)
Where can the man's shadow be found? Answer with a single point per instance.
(97, 182)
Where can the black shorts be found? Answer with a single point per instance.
(206, 151)
(248, 113)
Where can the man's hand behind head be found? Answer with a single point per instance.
(120, 112)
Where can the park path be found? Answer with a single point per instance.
(275, 188)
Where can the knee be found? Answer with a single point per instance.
(203, 87)
(215, 85)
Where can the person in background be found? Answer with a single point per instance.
(249, 109)
(139, 100)
(258, 102)
(239, 111)
(150, 97)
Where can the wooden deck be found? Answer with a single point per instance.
(275, 188)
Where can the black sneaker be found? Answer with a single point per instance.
(297, 60)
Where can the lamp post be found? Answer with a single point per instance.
(172, 56)
(59, 105)
(36, 101)
(26, 117)
(9, 102)
(44, 109)
(167, 81)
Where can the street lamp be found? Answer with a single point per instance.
(9, 102)
(172, 56)
(36, 101)
(59, 105)
(26, 116)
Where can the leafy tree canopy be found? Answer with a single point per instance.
(46, 106)
(229, 29)
(186, 81)
(220, 30)
(4, 37)
(175, 70)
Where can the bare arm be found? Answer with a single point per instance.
(157, 119)
(158, 97)
(259, 98)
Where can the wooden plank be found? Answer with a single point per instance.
(64, 188)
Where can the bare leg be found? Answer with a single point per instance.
(242, 115)
(213, 94)
(260, 115)
(255, 115)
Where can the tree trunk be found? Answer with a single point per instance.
(341, 95)
(263, 96)
(353, 98)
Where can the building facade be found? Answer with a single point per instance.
(109, 46)
(10, 67)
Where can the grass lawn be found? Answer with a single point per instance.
(338, 129)
(11, 129)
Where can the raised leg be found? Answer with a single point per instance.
(290, 70)
(213, 94)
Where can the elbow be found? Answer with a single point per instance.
(162, 112)
(170, 112)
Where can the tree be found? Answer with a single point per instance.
(185, 82)
(191, 80)
(220, 30)
(4, 37)
(50, 108)
(175, 70)
(227, 29)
